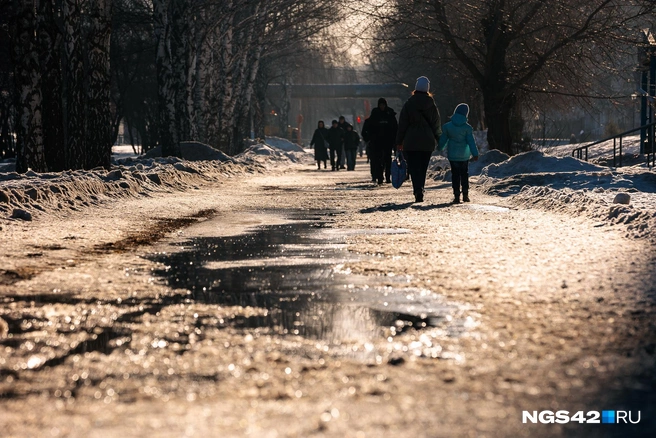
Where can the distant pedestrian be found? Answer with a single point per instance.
(366, 137)
(343, 124)
(382, 131)
(320, 143)
(335, 142)
(419, 130)
(458, 139)
(351, 144)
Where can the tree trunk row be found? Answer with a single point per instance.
(62, 78)
(206, 74)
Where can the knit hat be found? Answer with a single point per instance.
(423, 84)
(335, 121)
(462, 109)
(382, 100)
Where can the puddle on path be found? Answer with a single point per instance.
(295, 271)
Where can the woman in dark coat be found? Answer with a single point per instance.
(419, 131)
(351, 144)
(320, 143)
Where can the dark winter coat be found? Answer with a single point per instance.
(382, 128)
(343, 126)
(366, 131)
(419, 124)
(320, 143)
(335, 138)
(351, 140)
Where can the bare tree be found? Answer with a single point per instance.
(99, 115)
(511, 47)
(29, 127)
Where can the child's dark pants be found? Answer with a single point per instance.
(460, 177)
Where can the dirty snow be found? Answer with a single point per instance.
(283, 144)
(603, 153)
(28, 195)
(193, 151)
(562, 183)
(534, 179)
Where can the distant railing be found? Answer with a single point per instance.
(582, 152)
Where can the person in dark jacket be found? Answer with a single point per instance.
(320, 143)
(419, 131)
(382, 132)
(458, 139)
(343, 124)
(366, 137)
(351, 143)
(335, 140)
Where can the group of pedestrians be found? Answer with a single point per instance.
(416, 135)
(339, 143)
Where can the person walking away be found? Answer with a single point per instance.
(320, 143)
(419, 130)
(342, 125)
(458, 139)
(383, 129)
(335, 139)
(351, 143)
(366, 137)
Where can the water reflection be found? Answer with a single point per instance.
(291, 270)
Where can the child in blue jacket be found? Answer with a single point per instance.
(458, 138)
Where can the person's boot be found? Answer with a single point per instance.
(456, 198)
(419, 196)
(465, 197)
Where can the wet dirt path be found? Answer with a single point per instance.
(315, 304)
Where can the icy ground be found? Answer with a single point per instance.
(536, 179)
(544, 299)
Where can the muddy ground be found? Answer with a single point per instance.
(532, 310)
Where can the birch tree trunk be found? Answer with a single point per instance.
(191, 81)
(29, 126)
(51, 54)
(226, 89)
(181, 47)
(245, 121)
(75, 97)
(203, 60)
(165, 80)
(100, 120)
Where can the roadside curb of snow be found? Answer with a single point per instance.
(49, 193)
(639, 223)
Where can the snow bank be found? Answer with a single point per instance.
(266, 154)
(283, 144)
(492, 157)
(193, 151)
(23, 196)
(7, 165)
(602, 154)
(441, 169)
(537, 162)
(74, 190)
(578, 188)
(638, 218)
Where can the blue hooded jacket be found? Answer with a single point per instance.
(458, 136)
